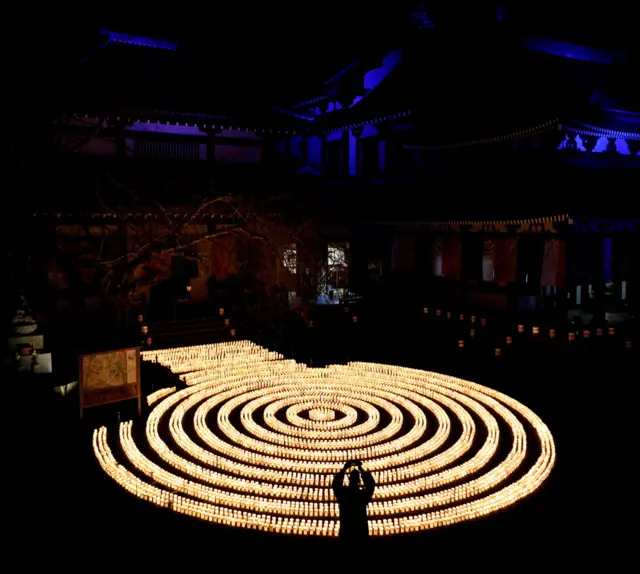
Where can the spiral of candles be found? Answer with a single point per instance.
(282, 430)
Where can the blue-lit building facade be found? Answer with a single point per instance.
(489, 177)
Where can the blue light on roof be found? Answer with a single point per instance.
(140, 40)
(571, 51)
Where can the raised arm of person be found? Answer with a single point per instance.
(338, 479)
(368, 481)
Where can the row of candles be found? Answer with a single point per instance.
(149, 340)
(260, 481)
(154, 397)
(321, 419)
(321, 413)
(535, 331)
(219, 357)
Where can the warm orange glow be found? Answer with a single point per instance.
(273, 472)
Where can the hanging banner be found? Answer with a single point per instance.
(403, 253)
(488, 270)
(451, 256)
(436, 256)
(553, 263)
(505, 260)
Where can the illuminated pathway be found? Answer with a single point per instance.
(254, 441)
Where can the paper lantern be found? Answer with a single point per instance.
(460, 343)
(346, 309)
(140, 318)
(571, 336)
(425, 310)
(535, 330)
(628, 345)
(473, 318)
(520, 328)
(483, 321)
(552, 333)
(438, 312)
(448, 314)
(311, 323)
(611, 330)
(509, 340)
(461, 317)
(586, 333)
(472, 332)
(226, 322)
(498, 352)
(354, 319)
(149, 339)
(221, 312)
(233, 332)
(145, 329)
(599, 332)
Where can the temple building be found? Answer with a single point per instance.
(524, 119)
(472, 157)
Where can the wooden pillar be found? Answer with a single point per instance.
(344, 154)
(120, 136)
(355, 152)
(211, 145)
(324, 155)
(304, 149)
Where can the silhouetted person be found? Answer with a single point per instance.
(353, 502)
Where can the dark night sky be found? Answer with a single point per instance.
(272, 47)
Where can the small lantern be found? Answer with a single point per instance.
(460, 343)
(509, 340)
(145, 329)
(149, 339)
(233, 332)
(535, 330)
(628, 345)
(354, 319)
(599, 332)
(188, 288)
(552, 333)
(461, 317)
(473, 318)
(472, 332)
(611, 330)
(226, 322)
(498, 352)
(448, 314)
(586, 333)
(140, 318)
(221, 312)
(520, 328)
(438, 313)
(483, 321)
(425, 310)
(571, 337)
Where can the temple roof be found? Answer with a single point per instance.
(147, 79)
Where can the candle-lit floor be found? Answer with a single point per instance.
(254, 441)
